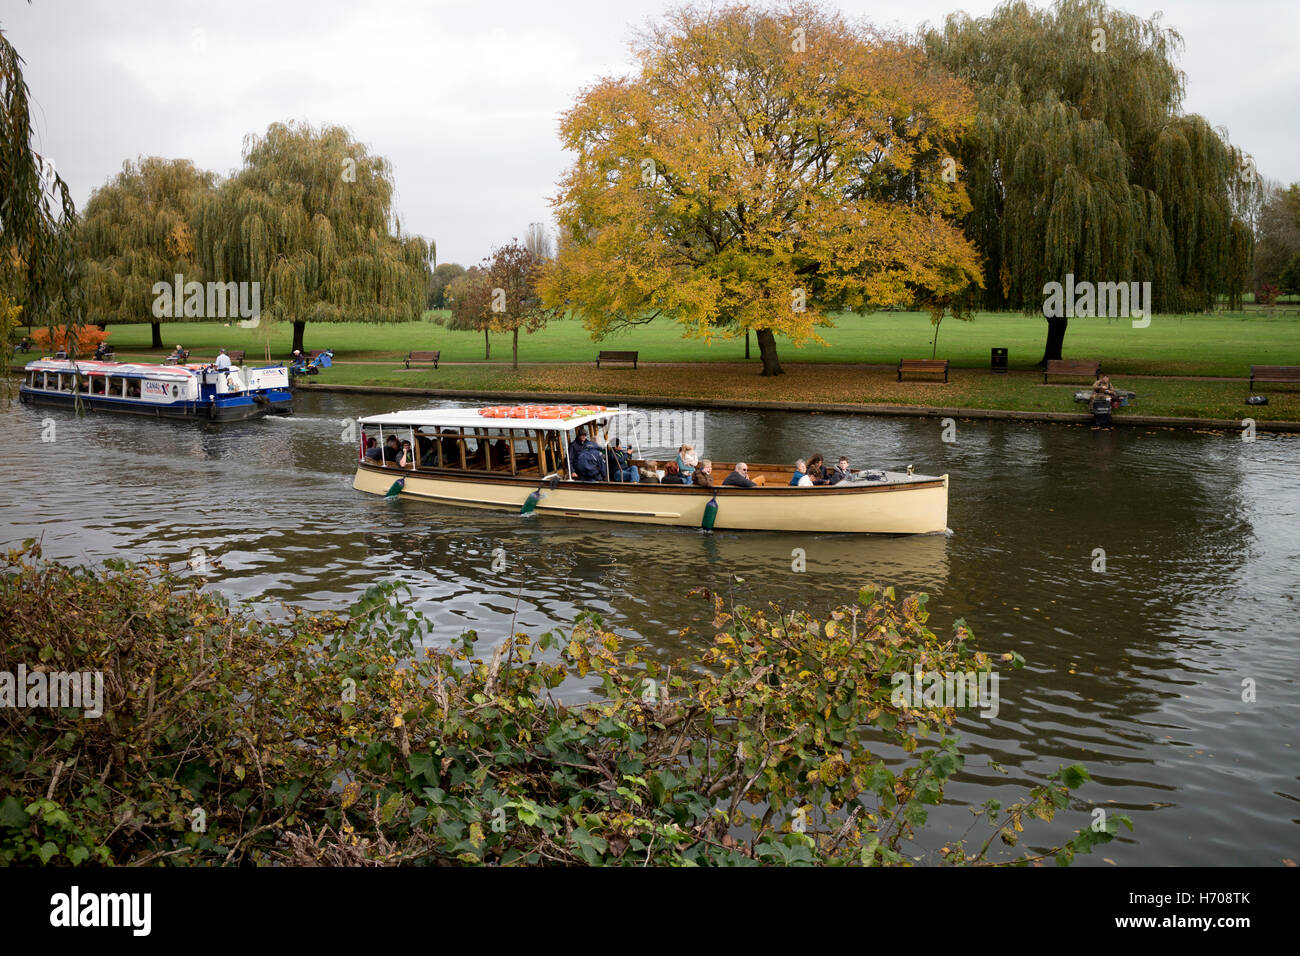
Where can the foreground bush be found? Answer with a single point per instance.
(324, 739)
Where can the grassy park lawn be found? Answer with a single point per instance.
(848, 368)
(1223, 344)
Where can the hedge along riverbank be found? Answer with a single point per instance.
(230, 736)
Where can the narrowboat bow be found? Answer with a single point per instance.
(498, 459)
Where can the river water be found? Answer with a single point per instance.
(1138, 671)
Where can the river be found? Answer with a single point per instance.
(1138, 670)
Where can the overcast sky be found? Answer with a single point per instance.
(464, 98)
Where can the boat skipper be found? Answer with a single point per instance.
(222, 363)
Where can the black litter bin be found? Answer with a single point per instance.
(998, 361)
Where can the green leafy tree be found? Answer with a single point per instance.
(1079, 160)
(469, 296)
(438, 282)
(310, 217)
(136, 231)
(1277, 241)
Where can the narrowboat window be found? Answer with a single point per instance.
(132, 388)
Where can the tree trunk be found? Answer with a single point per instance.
(157, 335)
(1055, 339)
(516, 349)
(299, 326)
(746, 343)
(767, 352)
(487, 345)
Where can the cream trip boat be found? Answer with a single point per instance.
(477, 459)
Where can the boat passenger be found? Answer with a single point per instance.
(817, 470)
(590, 463)
(739, 478)
(373, 451)
(620, 465)
(800, 473)
(450, 452)
(841, 472)
(651, 475)
(501, 453)
(704, 474)
(672, 476)
(686, 461)
(407, 458)
(223, 362)
(392, 449)
(575, 446)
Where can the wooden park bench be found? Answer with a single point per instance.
(1073, 368)
(237, 356)
(423, 357)
(617, 357)
(923, 367)
(1274, 373)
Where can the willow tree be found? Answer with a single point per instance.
(761, 169)
(39, 273)
(310, 217)
(1080, 162)
(137, 230)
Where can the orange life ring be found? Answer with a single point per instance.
(493, 411)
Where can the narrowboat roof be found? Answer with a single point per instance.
(461, 418)
(91, 367)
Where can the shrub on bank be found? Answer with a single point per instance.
(229, 736)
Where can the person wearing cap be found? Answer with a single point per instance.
(575, 446)
(223, 362)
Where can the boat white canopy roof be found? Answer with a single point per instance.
(462, 418)
(177, 373)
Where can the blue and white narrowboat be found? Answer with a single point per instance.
(162, 391)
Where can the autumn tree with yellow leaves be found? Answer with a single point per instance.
(762, 170)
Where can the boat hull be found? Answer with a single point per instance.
(905, 506)
(238, 409)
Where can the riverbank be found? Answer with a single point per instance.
(1208, 404)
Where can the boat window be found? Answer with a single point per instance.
(132, 388)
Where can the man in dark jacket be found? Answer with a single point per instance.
(575, 446)
(740, 477)
(589, 463)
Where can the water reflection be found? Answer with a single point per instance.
(1136, 671)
